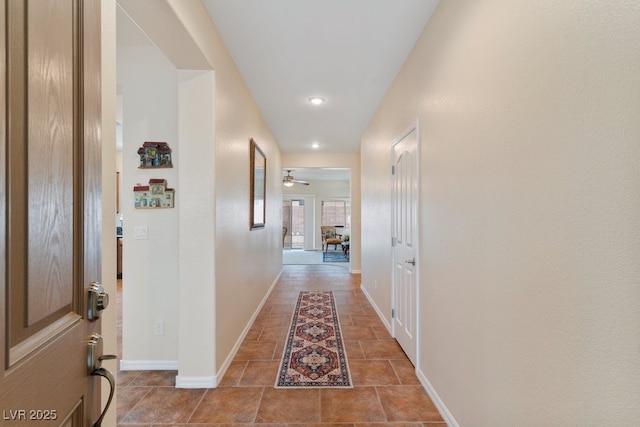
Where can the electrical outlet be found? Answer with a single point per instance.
(159, 328)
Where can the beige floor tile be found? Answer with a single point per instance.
(353, 309)
(228, 405)
(272, 320)
(382, 350)
(372, 372)
(382, 333)
(354, 350)
(390, 425)
(356, 405)
(164, 405)
(124, 378)
(367, 320)
(405, 371)
(260, 373)
(128, 398)
(254, 350)
(155, 379)
(407, 403)
(234, 373)
(358, 333)
(274, 333)
(289, 406)
(254, 333)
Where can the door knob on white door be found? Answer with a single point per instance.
(411, 261)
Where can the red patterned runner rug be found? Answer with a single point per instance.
(314, 354)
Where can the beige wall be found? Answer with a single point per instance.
(150, 266)
(239, 265)
(530, 232)
(247, 262)
(197, 222)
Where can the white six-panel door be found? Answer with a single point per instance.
(405, 235)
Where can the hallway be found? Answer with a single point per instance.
(386, 390)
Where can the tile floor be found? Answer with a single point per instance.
(386, 391)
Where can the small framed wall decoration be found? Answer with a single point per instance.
(258, 186)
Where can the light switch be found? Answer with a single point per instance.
(140, 232)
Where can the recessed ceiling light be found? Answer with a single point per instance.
(315, 145)
(316, 100)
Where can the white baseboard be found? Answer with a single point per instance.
(234, 350)
(148, 365)
(442, 408)
(375, 307)
(196, 382)
(444, 412)
(355, 271)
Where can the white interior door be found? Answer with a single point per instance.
(405, 238)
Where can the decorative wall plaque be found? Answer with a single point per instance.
(156, 195)
(155, 155)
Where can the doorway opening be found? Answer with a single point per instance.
(322, 197)
(293, 224)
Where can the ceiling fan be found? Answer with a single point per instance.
(289, 180)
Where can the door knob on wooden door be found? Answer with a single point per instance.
(94, 368)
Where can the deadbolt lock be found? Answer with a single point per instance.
(97, 300)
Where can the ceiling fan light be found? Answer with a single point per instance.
(287, 181)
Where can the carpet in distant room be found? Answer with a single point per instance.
(335, 256)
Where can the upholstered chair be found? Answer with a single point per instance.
(329, 237)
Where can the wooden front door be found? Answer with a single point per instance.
(50, 209)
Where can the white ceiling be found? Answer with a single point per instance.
(346, 51)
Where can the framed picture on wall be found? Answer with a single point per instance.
(258, 184)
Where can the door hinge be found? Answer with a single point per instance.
(393, 170)
(393, 313)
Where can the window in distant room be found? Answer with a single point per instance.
(336, 213)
